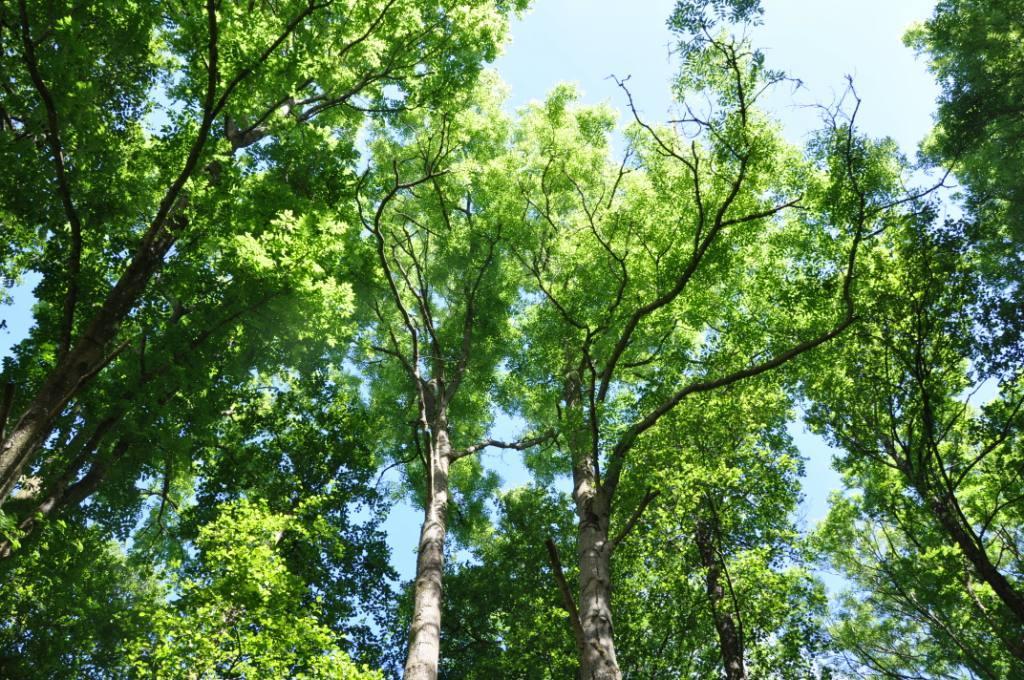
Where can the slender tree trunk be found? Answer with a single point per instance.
(425, 635)
(598, 660)
(726, 625)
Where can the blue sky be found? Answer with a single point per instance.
(819, 42)
(586, 41)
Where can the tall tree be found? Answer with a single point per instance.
(937, 476)
(440, 225)
(664, 276)
(976, 54)
(177, 107)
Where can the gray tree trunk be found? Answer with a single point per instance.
(598, 660)
(425, 635)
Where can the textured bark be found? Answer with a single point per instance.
(598, 660)
(593, 548)
(730, 641)
(425, 635)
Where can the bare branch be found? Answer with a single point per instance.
(517, 446)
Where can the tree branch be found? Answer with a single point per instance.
(631, 523)
(517, 446)
(74, 264)
(630, 435)
(5, 407)
(563, 588)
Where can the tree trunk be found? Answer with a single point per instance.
(598, 660)
(729, 639)
(74, 370)
(984, 569)
(425, 635)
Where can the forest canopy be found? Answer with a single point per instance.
(296, 263)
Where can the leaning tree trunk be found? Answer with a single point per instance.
(729, 640)
(425, 635)
(88, 356)
(597, 660)
(943, 510)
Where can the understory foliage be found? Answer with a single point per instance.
(295, 263)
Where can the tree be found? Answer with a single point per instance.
(718, 543)
(938, 512)
(662, 277)
(974, 50)
(279, 487)
(440, 227)
(180, 108)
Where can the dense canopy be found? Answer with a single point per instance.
(297, 262)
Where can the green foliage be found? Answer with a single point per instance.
(726, 466)
(284, 247)
(183, 179)
(239, 612)
(503, 617)
(71, 602)
(697, 16)
(218, 210)
(897, 400)
(976, 52)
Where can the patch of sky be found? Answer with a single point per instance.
(16, 313)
